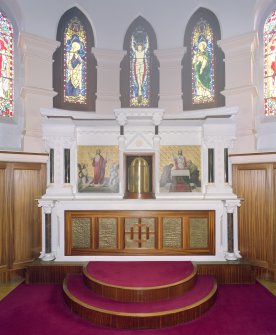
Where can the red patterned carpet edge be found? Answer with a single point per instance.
(41, 310)
(140, 274)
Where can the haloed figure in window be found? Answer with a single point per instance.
(74, 68)
(201, 65)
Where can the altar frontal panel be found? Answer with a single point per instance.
(139, 232)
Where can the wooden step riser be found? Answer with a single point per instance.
(140, 295)
(156, 320)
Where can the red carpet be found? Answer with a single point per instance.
(41, 310)
(80, 291)
(140, 274)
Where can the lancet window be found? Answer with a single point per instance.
(269, 44)
(139, 68)
(6, 68)
(74, 65)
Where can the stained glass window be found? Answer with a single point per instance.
(75, 62)
(202, 57)
(6, 67)
(269, 36)
(139, 68)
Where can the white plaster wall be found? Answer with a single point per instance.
(168, 18)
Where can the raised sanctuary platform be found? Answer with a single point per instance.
(139, 295)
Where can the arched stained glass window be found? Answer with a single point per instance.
(203, 68)
(75, 62)
(74, 68)
(202, 63)
(6, 67)
(139, 68)
(269, 38)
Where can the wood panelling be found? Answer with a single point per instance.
(54, 273)
(3, 219)
(20, 232)
(255, 185)
(225, 272)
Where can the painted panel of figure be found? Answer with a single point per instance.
(202, 53)
(270, 64)
(98, 169)
(75, 62)
(180, 168)
(6, 67)
(139, 69)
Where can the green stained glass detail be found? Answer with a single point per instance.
(202, 52)
(269, 40)
(6, 67)
(75, 62)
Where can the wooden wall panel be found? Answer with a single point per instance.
(274, 219)
(20, 232)
(27, 230)
(254, 184)
(3, 219)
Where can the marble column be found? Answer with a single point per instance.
(232, 252)
(47, 206)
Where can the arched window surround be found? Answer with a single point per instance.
(153, 63)
(218, 63)
(58, 65)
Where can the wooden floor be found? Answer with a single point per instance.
(6, 288)
(270, 285)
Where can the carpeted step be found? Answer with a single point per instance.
(107, 312)
(140, 281)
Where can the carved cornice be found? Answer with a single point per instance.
(108, 57)
(41, 47)
(239, 45)
(172, 56)
(123, 115)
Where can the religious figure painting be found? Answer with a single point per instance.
(98, 169)
(180, 168)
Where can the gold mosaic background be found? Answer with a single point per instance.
(191, 152)
(109, 152)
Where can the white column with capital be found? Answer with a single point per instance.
(170, 94)
(37, 90)
(47, 253)
(108, 79)
(230, 228)
(240, 88)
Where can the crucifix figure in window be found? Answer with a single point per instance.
(140, 62)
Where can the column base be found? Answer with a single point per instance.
(230, 256)
(47, 257)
